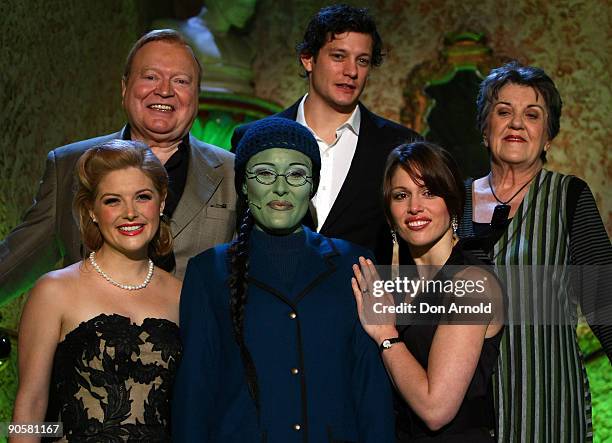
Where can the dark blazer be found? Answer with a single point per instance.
(357, 214)
(49, 231)
(315, 364)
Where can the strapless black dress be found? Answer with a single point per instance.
(113, 379)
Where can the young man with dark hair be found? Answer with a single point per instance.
(340, 47)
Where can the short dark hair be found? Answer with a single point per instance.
(434, 166)
(164, 35)
(337, 19)
(518, 74)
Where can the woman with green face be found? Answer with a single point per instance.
(273, 347)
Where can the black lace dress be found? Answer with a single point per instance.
(113, 379)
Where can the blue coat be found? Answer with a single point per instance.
(320, 375)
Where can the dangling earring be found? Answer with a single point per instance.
(395, 256)
(454, 225)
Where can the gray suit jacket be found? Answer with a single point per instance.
(204, 217)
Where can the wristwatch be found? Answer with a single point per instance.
(388, 342)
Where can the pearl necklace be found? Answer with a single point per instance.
(147, 280)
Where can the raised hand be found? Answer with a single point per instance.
(375, 307)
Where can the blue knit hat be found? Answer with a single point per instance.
(276, 132)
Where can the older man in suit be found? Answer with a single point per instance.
(340, 46)
(160, 89)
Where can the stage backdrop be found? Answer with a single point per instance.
(62, 62)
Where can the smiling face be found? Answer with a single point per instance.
(338, 74)
(126, 210)
(160, 95)
(516, 132)
(278, 207)
(420, 218)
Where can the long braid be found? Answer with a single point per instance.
(238, 284)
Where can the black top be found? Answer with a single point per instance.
(475, 419)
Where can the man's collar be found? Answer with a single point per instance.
(353, 122)
(301, 118)
(126, 134)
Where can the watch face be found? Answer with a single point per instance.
(386, 343)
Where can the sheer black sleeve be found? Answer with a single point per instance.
(591, 253)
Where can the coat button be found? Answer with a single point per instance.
(295, 371)
(297, 427)
(292, 315)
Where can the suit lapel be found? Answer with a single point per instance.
(290, 112)
(359, 169)
(202, 180)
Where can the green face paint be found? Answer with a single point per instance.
(278, 204)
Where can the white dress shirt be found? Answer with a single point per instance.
(336, 160)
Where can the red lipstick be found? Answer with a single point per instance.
(130, 229)
(417, 223)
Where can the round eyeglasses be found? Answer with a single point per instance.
(293, 177)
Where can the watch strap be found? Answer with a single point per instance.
(388, 342)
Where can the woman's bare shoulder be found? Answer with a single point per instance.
(169, 282)
(57, 285)
(488, 289)
(475, 272)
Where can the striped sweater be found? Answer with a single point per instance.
(542, 392)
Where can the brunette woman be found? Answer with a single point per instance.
(442, 367)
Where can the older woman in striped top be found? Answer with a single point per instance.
(527, 215)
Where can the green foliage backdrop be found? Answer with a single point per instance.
(62, 62)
